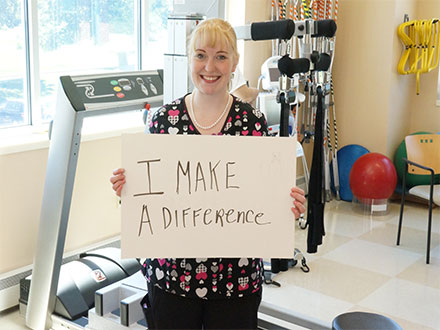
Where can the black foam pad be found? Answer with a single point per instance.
(289, 66)
(282, 29)
(323, 63)
(326, 28)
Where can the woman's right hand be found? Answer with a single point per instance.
(118, 180)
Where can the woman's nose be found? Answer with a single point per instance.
(210, 65)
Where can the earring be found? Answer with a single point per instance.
(230, 81)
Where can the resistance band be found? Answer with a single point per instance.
(421, 39)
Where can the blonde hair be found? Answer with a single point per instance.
(212, 32)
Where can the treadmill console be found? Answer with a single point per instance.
(96, 92)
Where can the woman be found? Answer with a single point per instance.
(214, 293)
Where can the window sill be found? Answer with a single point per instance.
(22, 139)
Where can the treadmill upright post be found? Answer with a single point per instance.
(57, 196)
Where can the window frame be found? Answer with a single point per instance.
(31, 85)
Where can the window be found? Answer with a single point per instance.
(12, 64)
(71, 37)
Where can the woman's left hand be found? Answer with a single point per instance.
(298, 201)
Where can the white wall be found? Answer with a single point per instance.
(94, 213)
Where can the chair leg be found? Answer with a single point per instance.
(428, 247)
(431, 196)
(402, 204)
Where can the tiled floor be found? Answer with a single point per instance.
(358, 267)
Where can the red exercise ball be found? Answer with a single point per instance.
(373, 176)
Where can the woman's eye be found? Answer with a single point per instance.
(222, 57)
(200, 56)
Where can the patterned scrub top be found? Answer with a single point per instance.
(207, 278)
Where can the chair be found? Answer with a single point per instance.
(423, 152)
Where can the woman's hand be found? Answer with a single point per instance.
(298, 201)
(118, 180)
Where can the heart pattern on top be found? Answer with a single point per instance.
(159, 274)
(243, 262)
(201, 292)
(173, 119)
(173, 130)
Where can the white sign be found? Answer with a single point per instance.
(207, 196)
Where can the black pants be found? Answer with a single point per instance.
(169, 311)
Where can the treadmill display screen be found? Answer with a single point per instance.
(274, 74)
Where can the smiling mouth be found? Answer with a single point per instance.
(210, 79)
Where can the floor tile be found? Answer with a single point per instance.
(11, 320)
(410, 301)
(422, 273)
(416, 216)
(375, 257)
(435, 252)
(348, 223)
(330, 242)
(333, 279)
(307, 302)
(349, 208)
(413, 240)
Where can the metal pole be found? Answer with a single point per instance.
(57, 195)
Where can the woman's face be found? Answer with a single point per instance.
(211, 68)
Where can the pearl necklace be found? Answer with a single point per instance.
(215, 122)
